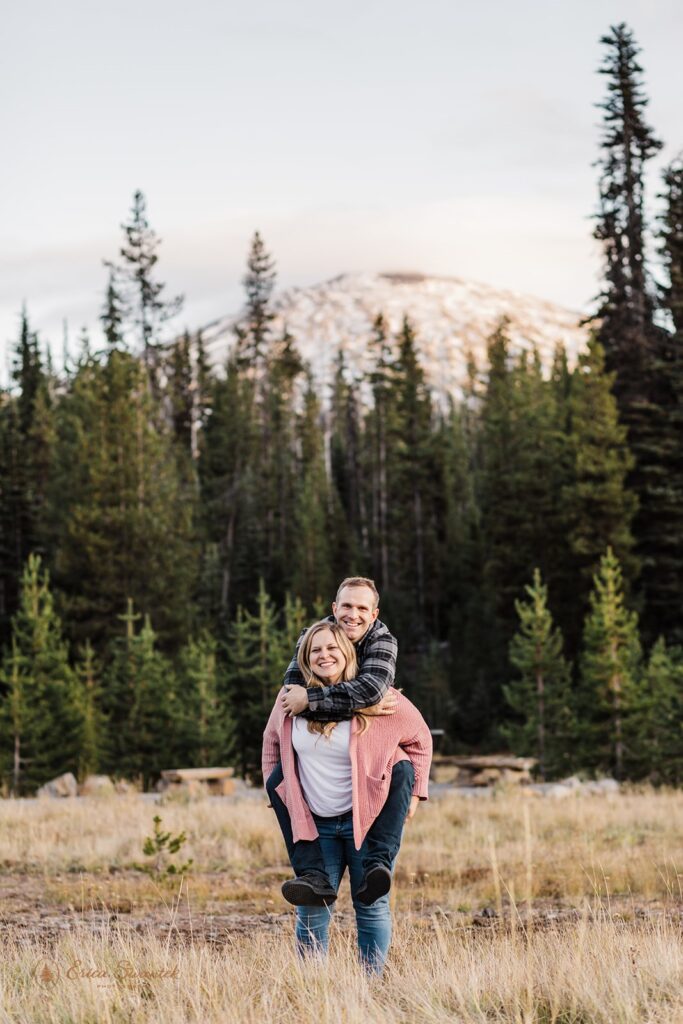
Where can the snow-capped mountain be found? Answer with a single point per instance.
(452, 319)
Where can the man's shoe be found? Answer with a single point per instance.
(377, 882)
(308, 891)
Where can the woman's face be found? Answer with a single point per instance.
(327, 660)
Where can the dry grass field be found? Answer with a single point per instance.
(509, 909)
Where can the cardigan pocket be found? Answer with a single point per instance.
(377, 789)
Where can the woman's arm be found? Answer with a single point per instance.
(270, 752)
(417, 743)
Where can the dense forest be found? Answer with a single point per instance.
(167, 527)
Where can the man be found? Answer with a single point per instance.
(356, 610)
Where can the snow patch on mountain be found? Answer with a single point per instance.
(452, 318)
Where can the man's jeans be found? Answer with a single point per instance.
(373, 923)
(382, 841)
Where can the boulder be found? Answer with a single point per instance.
(62, 785)
(96, 785)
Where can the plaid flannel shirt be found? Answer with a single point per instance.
(376, 653)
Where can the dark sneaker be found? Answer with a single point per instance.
(377, 882)
(308, 891)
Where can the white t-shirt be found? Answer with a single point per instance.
(324, 767)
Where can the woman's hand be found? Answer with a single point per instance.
(414, 801)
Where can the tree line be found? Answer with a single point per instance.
(167, 527)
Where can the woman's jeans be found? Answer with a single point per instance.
(373, 923)
(334, 851)
(384, 836)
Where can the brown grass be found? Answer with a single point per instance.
(612, 865)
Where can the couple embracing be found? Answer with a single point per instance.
(345, 763)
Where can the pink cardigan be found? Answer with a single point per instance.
(390, 738)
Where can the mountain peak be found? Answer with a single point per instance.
(452, 318)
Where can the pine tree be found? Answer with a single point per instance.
(143, 710)
(350, 531)
(145, 308)
(257, 656)
(206, 728)
(599, 506)
(114, 312)
(228, 455)
(663, 570)
(658, 726)
(412, 494)
(379, 428)
(42, 716)
(540, 698)
(253, 331)
(311, 562)
(627, 144)
(93, 724)
(632, 341)
(26, 440)
(123, 510)
(610, 666)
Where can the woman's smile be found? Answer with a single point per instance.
(327, 661)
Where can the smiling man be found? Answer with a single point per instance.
(356, 610)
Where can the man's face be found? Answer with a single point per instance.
(354, 612)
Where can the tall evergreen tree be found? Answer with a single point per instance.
(124, 514)
(609, 687)
(257, 655)
(93, 723)
(658, 728)
(599, 507)
(312, 555)
(42, 716)
(540, 697)
(663, 574)
(411, 484)
(627, 144)
(205, 727)
(26, 439)
(146, 310)
(253, 330)
(143, 711)
(632, 341)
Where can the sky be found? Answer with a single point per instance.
(376, 135)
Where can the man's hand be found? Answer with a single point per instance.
(414, 801)
(295, 700)
(387, 705)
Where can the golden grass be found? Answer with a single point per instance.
(587, 974)
(599, 854)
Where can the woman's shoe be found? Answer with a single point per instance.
(308, 891)
(377, 882)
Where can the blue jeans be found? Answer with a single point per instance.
(383, 838)
(373, 923)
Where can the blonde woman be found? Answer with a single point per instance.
(335, 785)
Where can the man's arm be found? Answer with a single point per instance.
(376, 674)
(293, 675)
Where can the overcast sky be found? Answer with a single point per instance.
(442, 137)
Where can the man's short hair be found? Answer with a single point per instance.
(359, 581)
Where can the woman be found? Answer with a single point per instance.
(336, 777)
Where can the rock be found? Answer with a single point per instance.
(96, 785)
(602, 786)
(557, 791)
(63, 785)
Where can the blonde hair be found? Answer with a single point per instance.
(360, 581)
(311, 679)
